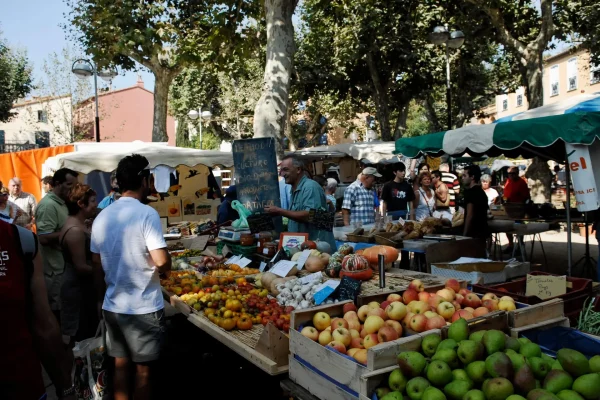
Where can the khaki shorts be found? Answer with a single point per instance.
(53, 285)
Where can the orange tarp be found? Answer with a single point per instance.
(27, 165)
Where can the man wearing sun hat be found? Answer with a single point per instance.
(359, 198)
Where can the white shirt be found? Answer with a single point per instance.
(124, 234)
(491, 194)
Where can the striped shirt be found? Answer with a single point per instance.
(26, 203)
(451, 181)
(361, 203)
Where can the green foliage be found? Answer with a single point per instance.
(579, 21)
(210, 140)
(417, 122)
(15, 78)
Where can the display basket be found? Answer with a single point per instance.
(236, 249)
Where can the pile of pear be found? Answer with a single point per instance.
(489, 365)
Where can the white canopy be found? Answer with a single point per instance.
(374, 152)
(105, 157)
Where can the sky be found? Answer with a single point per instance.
(33, 25)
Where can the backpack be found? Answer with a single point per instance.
(29, 243)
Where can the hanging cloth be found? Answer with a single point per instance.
(162, 177)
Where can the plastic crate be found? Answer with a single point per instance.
(573, 299)
(236, 249)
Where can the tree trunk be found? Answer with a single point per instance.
(288, 130)
(533, 72)
(380, 97)
(271, 109)
(401, 121)
(162, 82)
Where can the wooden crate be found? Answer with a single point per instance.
(343, 370)
(397, 280)
(317, 384)
(381, 297)
(551, 309)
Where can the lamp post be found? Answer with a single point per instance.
(194, 114)
(82, 69)
(454, 39)
(371, 135)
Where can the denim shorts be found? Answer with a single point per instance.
(137, 337)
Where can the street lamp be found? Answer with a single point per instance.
(371, 135)
(194, 114)
(454, 39)
(83, 69)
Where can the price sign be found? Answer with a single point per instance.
(262, 266)
(282, 268)
(309, 278)
(348, 289)
(233, 260)
(401, 221)
(302, 259)
(243, 262)
(545, 286)
(324, 290)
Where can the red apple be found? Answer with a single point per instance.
(384, 305)
(424, 296)
(352, 351)
(354, 333)
(362, 312)
(435, 300)
(338, 346)
(350, 315)
(379, 312)
(361, 356)
(490, 304)
(459, 298)
(394, 297)
(469, 309)
(370, 340)
(410, 295)
(489, 296)
(418, 323)
(480, 311)
(373, 323)
(396, 311)
(406, 321)
(446, 310)
(321, 320)
(453, 284)
(374, 304)
(325, 337)
(363, 333)
(472, 300)
(349, 307)
(386, 334)
(418, 307)
(310, 332)
(343, 336)
(461, 314)
(354, 324)
(396, 325)
(436, 322)
(464, 292)
(338, 323)
(430, 314)
(417, 285)
(357, 343)
(447, 294)
(456, 305)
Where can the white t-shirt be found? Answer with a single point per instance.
(124, 234)
(491, 194)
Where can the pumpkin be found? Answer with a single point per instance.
(337, 256)
(359, 252)
(363, 275)
(267, 278)
(390, 255)
(315, 264)
(353, 262)
(323, 246)
(345, 249)
(308, 244)
(333, 268)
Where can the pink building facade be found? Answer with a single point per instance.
(125, 115)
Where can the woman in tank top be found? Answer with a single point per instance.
(424, 203)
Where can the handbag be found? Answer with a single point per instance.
(91, 364)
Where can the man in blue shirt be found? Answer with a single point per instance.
(306, 195)
(114, 193)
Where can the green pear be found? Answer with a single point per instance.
(547, 358)
(524, 380)
(477, 336)
(498, 389)
(474, 394)
(411, 363)
(397, 381)
(530, 350)
(515, 397)
(538, 384)
(459, 330)
(572, 361)
(494, 341)
(569, 395)
(448, 344)
(539, 366)
(541, 394)
(461, 375)
(517, 359)
(448, 356)
(392, 396)
(382, 391)
(557, 380)
(498, 365)
(429, 344)
(456, 390)
(432, 393)
(523, 340)
(439, 373)
(416, 387)
(513, 344)
(469, 351)
(556, 365)
(595, 364)
(476, 371)
(588, 386)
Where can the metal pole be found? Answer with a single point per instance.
(97, 116)
(569, 227)
(200, 119)
(448, 91)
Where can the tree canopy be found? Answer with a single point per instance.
(15, 78)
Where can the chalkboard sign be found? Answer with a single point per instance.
(348, 289)
(256, 173)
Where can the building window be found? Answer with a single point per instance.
(504, 104)
(42, 139)
(572, 73)
(594, 73)
(554, 80)
(519, 100)
(42, 116)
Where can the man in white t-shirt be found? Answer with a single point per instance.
(128, 254)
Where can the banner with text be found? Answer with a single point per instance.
(581, 160)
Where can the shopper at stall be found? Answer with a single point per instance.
(424, 202)
(423, 167)
(476, 204)
(50, 216)
(442, 195)
(47, 184)
(114, 192)
(330, 189)
(515, 191)
(306, 195)
(30, 334)
(8, 209)
(450, 179)
(359, 198)
(397, 194)
(226, 212)
(490, 192)
(25, 202)
(128, 254)
(79, 316)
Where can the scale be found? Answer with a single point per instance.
(232, 234)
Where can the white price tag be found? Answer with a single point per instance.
(303, 258)
(324, 290)
(243, 262)
(309, 278)
(262, 266)
(233, 260)
(265, 251)
(401, 221)
(282, 268)
(331, 283)
(225, 250)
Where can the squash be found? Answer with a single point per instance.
(323, 246)
(353, 262)
(315, 264)
(308, 244)
(333, 268)
(325, 257)
(390, 255)
(363, 275)
(267, 279)
(345, 249)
